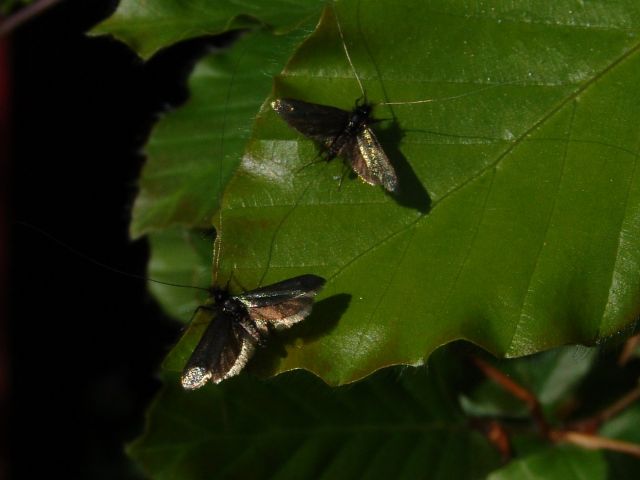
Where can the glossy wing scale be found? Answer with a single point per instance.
(241, 322)
(282, 315)
(342, 133)
(282, 304)
(371, 163)
(222, 352)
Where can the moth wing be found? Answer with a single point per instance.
(282, 304)
(222, 352)
(234, 366)
(358, 162)
(371, 163)
(282, 315)
(319, 122)
(303, 285)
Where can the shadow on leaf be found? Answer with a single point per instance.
(411, 193)
(323, 319)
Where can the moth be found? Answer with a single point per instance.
(342, 133)
(242, 322)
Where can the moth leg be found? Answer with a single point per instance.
(333, 147)
(345, 171)
(313, 162)
(327, 153)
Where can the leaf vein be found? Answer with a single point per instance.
(543, 242)
(391, 278)
(616, 258)
(541, 122)
(471, 243)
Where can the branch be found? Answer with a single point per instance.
(517, 391)
(594, 422)
(571, 433)
(629, 348)
(595, 442)
(496, 435)
(25, 14)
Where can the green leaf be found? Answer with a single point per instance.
(517, 223)
(181, 257)
(148, 26)
(525, 235)
(555, 463)
(515, 228)
(294, 426)
(194, 150)
(624, 426)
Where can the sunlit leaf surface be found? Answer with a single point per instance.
(516, 226)
(518, 221)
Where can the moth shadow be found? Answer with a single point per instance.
(411, 193)
(325, 316)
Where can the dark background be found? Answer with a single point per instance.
(84, 343)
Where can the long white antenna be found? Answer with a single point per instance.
(217, 246)
(453, 97)
(414, 102)
(98, 263)
(217, 243)
(346, 50)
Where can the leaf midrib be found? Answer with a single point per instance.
(510, 148)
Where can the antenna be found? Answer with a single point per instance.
(217, 243)
(100, 264)
(346, 50)
(413, 102)
(453, 97)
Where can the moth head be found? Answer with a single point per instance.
(363, 108)
(219, 295)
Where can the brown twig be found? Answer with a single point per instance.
(620, 405)
(629, 348)
(594, 422)
(517, 391)
(7, 25)
(579, 433)
(595, 442)
(496, 434)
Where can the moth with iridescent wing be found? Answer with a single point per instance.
(347, 133)
(241, 322)
(342, 133)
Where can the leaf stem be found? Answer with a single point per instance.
(579, 433)
(629, 348)
(496, 434)
(593, 423)
(517, 391)
(596, 442)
